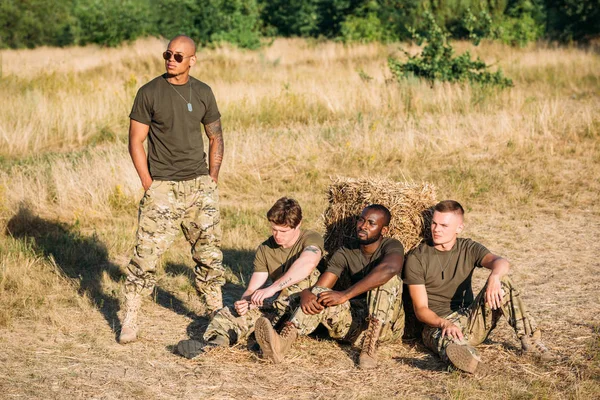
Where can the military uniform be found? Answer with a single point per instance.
(447, 279)
(182, 195)
(275, 260)
(348, 320)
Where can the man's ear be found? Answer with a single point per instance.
(192, 61)
(385, 230)
(460, 227)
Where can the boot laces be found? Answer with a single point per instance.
(370, 339)
(287, 330)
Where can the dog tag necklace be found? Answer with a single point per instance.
(189, 103)
(437, 256)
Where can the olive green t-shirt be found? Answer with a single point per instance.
(352, 260)
(175, 146)
(453, 290)
(276, 260)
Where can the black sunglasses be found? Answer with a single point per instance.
(177, 56)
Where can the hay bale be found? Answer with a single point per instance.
(409, 203)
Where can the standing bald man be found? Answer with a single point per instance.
(180, 187)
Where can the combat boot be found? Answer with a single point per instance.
(465, 358)
(129, 328)
(193, 348)
(533, 345)
(368, 354)
(274, 346)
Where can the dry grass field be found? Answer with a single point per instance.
(525, 162)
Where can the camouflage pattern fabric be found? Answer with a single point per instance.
(228, 323)
(347, 321)
(477, 321)
(193, 207)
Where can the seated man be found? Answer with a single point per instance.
(372, 302)
(438, 275)
(289, 258)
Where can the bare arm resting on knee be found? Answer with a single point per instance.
(299, 270)
(418, 294)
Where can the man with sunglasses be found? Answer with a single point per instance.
(180, 188)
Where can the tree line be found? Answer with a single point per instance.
(31, 23)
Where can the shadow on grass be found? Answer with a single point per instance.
(240, 261)
(83, 259)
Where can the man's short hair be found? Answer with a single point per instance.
(285, 212)
(449, 206)
(387, 215)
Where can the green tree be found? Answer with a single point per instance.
(573, 20)
(31, 23)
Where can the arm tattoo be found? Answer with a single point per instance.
(215, 147)
(282, 284)
(312, 249)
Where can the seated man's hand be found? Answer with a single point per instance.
(309, 302)
(261, 295)
(332, 298)
(494, 292)
(451, 330)
(241, 306)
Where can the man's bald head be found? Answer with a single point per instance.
(186, 41)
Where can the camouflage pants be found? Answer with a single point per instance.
(477, 321)
(347, 321)
(167, 206)
(238, 328)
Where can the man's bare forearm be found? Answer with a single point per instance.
(216, 148)
(379, 276)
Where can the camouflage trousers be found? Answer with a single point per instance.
(167, 207)
(347, 321)
(238, 328)
(477, 321)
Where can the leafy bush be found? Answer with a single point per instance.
(437, 62)
(111, 22)
(362, 29)
(31, 23)
(570, 20)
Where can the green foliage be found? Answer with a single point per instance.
(30, 23)
(291, 17)
(438, 63)
(573, 20)
(362, 29)
(111, 22)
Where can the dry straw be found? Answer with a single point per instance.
(409, 203)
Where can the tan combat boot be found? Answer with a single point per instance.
(368, 354)
(129, 329)
(274, 346)
(465, 358)
(533, 345)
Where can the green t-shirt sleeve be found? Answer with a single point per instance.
(313, 239)
(212, 111)
(142, 108)
(478, 252)
(393, 246)
(337, 263)
(414, 273)
(260, 260)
